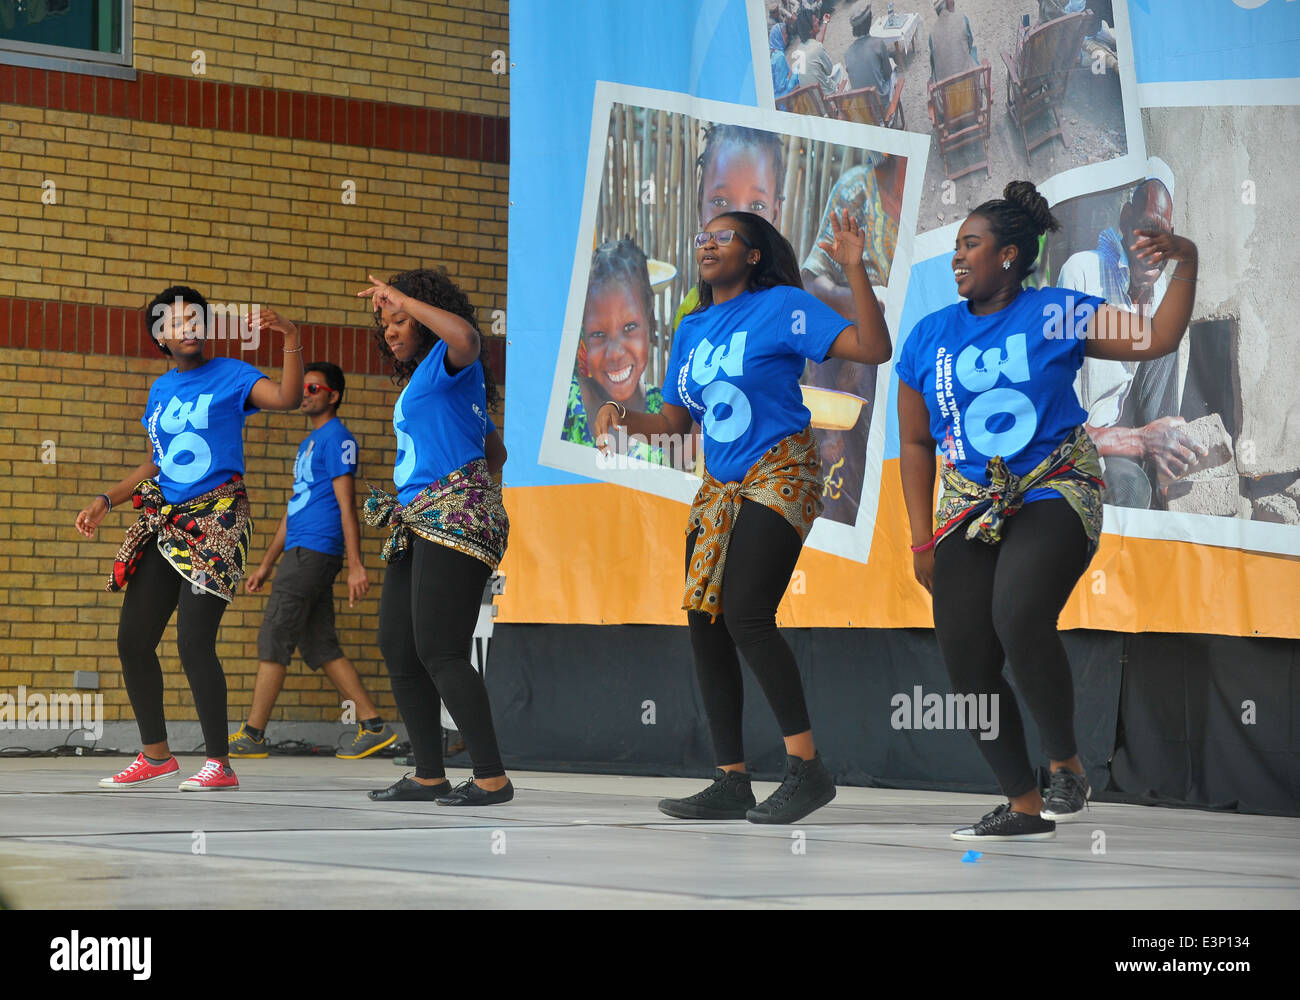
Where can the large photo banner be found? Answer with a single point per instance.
(661, 167)
(908, 115)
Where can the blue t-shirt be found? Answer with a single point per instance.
(1001, 384)
(736, 368)
(440, 421)
(314, 516)
(195, 421)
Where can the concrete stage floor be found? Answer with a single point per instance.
(301, 833)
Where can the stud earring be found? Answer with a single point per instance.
(1006, 265)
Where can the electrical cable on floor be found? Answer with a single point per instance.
(285, 748)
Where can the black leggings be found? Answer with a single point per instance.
(761, 556)
(996, 602)
(427, 615)
(155, 590)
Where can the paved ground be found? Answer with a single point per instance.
(301, 833)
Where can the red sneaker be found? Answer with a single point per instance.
(139, 773)
(212, 776)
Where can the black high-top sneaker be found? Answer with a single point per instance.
(807, 786)
(729, 797)
(1067, 795)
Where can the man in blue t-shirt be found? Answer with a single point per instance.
(319, 525)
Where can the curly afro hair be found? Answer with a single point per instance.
(432, 285)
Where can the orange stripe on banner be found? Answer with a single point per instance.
(595, 554)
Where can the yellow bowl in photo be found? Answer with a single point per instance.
(831, 409)
(661, 272)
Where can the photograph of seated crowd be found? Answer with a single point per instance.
(1024, 88)
(666, 176)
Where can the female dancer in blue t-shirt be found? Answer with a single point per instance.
(992, 379)
(448, 531)
(734, 368)
(186, 552)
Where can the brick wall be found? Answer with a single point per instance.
(401, 51)
(231, 182)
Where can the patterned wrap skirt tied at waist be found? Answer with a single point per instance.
(205, 539)
(787, 479)
(1073, 470)
(463, 510)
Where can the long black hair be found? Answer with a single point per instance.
(776, 263)
(434, 287)
(1020, 218)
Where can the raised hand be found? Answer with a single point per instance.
(266, 318)
(383, 296)
(848, 241)
(1155, 246)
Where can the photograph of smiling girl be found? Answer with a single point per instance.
(665, 176)
(618, 323)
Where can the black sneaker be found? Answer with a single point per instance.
(1067, 795)
(407, 790)
(807, 786)
(729, 797)
(467, 793)
(1003, 824)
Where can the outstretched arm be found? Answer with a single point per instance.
(867, 341)
(90, 517)
(287, 394)
(672, 420)
(1119, 335)
(459, 335)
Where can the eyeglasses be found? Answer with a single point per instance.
(311, 388)
(719, 236)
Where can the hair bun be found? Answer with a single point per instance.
(1025, 196)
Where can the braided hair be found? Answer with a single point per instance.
(718, 137)
(434, 287)
(622, 264)
(1019, 218)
